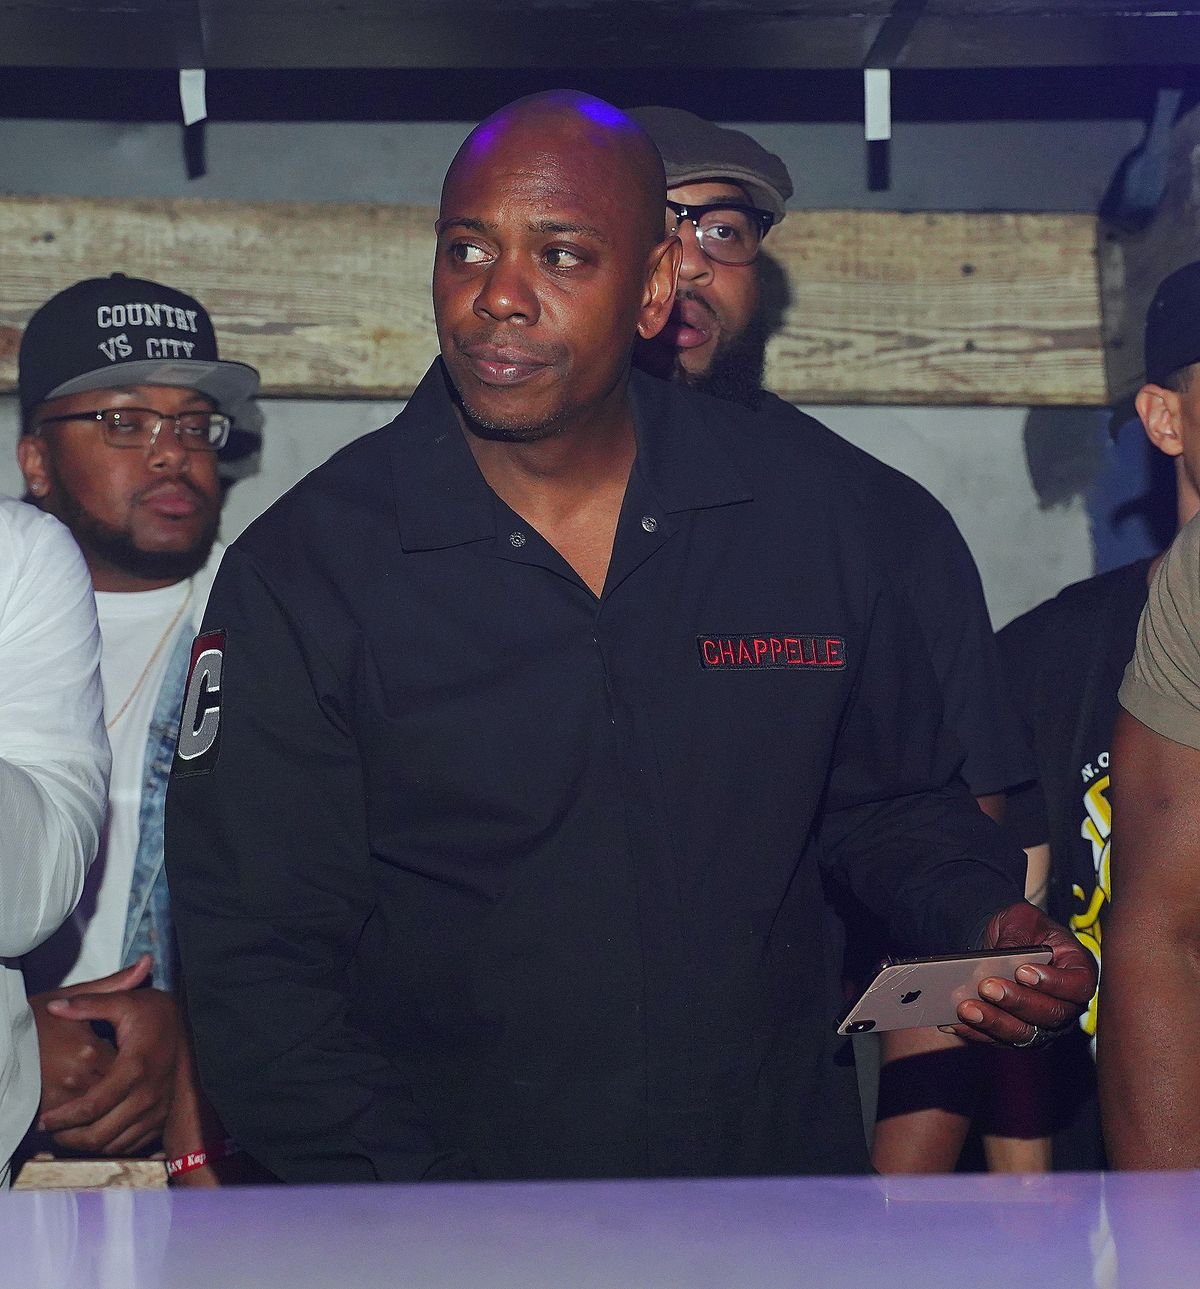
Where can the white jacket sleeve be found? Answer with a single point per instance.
(54, 755)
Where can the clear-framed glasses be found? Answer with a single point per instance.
(139, 427)
(728, 233)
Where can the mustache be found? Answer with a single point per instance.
(175, 481)
(497, 338)
(690, 295)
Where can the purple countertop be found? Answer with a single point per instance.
(1059, 1231)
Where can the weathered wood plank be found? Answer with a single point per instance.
(333, 300)
(955, 308)
(324, 299)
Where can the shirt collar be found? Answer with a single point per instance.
(443, 500)
(441, 497)
(679, 455)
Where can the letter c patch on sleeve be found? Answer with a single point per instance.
(200, 724)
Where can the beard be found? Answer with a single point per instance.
(735, 373)
(115, 546)
(508, 431)
(496, 429)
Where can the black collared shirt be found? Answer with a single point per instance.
(485, 875)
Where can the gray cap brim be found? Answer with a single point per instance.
(229, 385)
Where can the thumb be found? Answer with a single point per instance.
(127, 978)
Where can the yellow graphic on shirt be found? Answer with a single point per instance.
(1096, 829)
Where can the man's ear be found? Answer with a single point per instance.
(33, 458)
(659, 296)
(1158, 409)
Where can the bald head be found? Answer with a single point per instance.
(552, 256)
(603, 151)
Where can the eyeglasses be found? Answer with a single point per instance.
(728, 234)
(139, 427)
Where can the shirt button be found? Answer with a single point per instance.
(649, 523)
(517, 539)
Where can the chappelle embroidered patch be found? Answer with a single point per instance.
(768, 650)
(200, 725)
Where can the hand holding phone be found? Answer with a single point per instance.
(912, 993)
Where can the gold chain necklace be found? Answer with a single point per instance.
(158, 648)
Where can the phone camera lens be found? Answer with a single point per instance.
(861, 1026)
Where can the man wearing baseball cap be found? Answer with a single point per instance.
(126, 409)
(724, 193)
(1128, 833)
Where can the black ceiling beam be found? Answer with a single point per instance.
(598, 34)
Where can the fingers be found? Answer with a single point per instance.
(1008, 1013)
(84, 1007)
(130, 977)
(126, 1130)
(1073, 985)
(75, 1071)
(98, 1101)
(122, 1114)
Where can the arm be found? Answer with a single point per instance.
(912, 845)
(1149, 1022)
(54, 756)
(1149, 1028)
(271, 877)
(1037, 874)
(900, 828)
(942, 583)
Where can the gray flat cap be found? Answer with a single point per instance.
(694, 150)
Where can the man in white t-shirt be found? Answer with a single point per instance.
(125, 407)
(53, 772)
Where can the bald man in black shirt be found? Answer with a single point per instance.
(512, 729)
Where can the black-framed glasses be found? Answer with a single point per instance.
(728, 233)
(139, 427)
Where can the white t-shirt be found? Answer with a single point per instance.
(140, 632)
(53, 771)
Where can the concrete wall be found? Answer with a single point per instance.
(1034, 495)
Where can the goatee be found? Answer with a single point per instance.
(116, 548)
(736, 374)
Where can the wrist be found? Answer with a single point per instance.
(208, 1154)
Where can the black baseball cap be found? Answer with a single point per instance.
(118, 330)
(694, 150)
(1173, 324)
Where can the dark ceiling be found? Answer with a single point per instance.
(735, 59)
(597, 33)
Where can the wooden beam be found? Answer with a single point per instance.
(955, 308)
(333, 300)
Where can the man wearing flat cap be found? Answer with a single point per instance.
(724, 193)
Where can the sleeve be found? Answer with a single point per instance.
(54, 755)
(1025, 813)
(947, 597)
(1162, 682)
(269, 867)
(901, 828)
